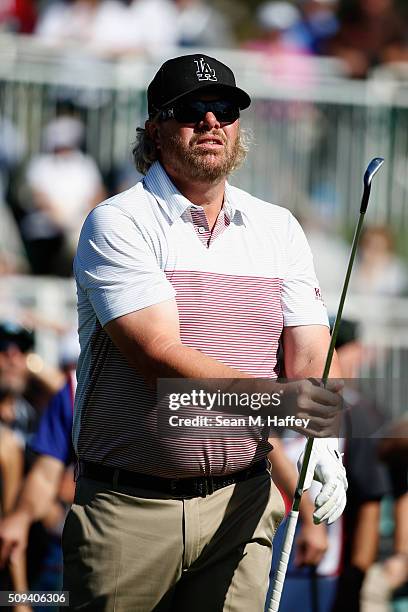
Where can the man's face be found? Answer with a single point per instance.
(205, 151)
(13, 371)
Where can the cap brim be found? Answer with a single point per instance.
(234, 93)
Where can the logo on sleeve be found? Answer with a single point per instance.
(318, 294)
(204, 71)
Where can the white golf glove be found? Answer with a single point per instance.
(326, 467)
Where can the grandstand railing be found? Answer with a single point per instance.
(314, 131)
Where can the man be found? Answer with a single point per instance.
(11, 476)
(15, 411)
(186, 277)
(53, 447)
(64, 184)
(26, 382)
(386, 584)
(48, 487)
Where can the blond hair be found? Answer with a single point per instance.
(145, 151)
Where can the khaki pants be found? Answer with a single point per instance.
(139, 551)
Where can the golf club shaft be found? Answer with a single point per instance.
(294, 513)
(329, 358)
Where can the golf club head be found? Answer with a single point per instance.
(372, 169)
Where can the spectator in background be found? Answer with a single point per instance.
(11, 474)
(378, 271)
(12, 148)
(368, 479)
(318, 23)
(49, 487)
(201, 24)
(17, 16)
(372, 32)
(284, 58)
(13, 259)
(152, 26)
(274, 20)
(23, 376)
(99, 26)
(64, 185)
(11, 469)
(111, 27)
(386, 580)
(15, 411)
(332, 582)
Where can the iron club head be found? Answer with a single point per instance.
(372, 169)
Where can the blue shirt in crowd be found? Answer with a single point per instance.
(53, 436)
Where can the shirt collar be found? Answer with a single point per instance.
(158, 183)
(173, 203)
(233, 202)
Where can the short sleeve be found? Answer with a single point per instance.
(116, 266)
(302, 302)
(53, 435)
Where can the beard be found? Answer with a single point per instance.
(201, 165)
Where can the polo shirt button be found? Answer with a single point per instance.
(201, 229)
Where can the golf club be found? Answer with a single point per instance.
(292, 518)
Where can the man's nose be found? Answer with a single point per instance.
(210, 121)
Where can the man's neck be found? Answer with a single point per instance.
(208, 195)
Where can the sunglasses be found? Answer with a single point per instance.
(194, 111)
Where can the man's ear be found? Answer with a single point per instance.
(152, 130)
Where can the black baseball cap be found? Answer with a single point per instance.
(13, 333)
(185, 75)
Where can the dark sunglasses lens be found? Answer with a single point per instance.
(194, 111)
(225, 111)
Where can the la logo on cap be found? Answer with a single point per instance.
(204, 71)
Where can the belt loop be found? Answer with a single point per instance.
(115, 478)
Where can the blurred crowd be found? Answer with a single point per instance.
(44, 199)
(31, 444)
(362, 33)
(346, 566)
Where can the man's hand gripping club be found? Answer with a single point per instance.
(325, 463)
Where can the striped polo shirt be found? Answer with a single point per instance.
(236, 287)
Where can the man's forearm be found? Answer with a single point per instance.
(365, 540)
(173, 359)
(401, 527)
(40, 489)
(155, 350)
